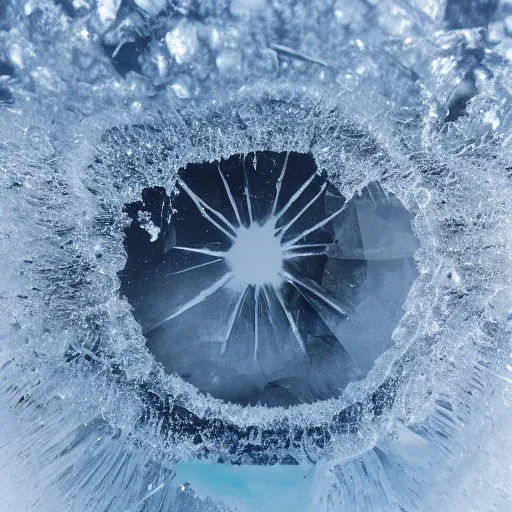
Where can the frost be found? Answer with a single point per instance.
(147, 224)
(244, 7)
(190, 324)
(152, 7)
(229, 62)
(107, 10)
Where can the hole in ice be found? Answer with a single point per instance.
(259, 283)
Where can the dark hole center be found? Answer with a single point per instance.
(259, 283)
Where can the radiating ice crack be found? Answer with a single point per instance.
(266, 265)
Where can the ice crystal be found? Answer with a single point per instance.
(185, 329)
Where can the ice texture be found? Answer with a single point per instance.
(404, 108)
(270, 287)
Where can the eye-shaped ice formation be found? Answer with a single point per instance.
(269, 287)
(89, 423)
(89, 420)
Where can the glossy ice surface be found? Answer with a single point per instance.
(270, 287)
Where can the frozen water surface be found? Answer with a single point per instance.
(269, 286)
(255, 255)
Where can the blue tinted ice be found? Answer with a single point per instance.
(270, 287)
(255, 255)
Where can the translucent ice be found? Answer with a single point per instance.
(255, 252)
(273, 288)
